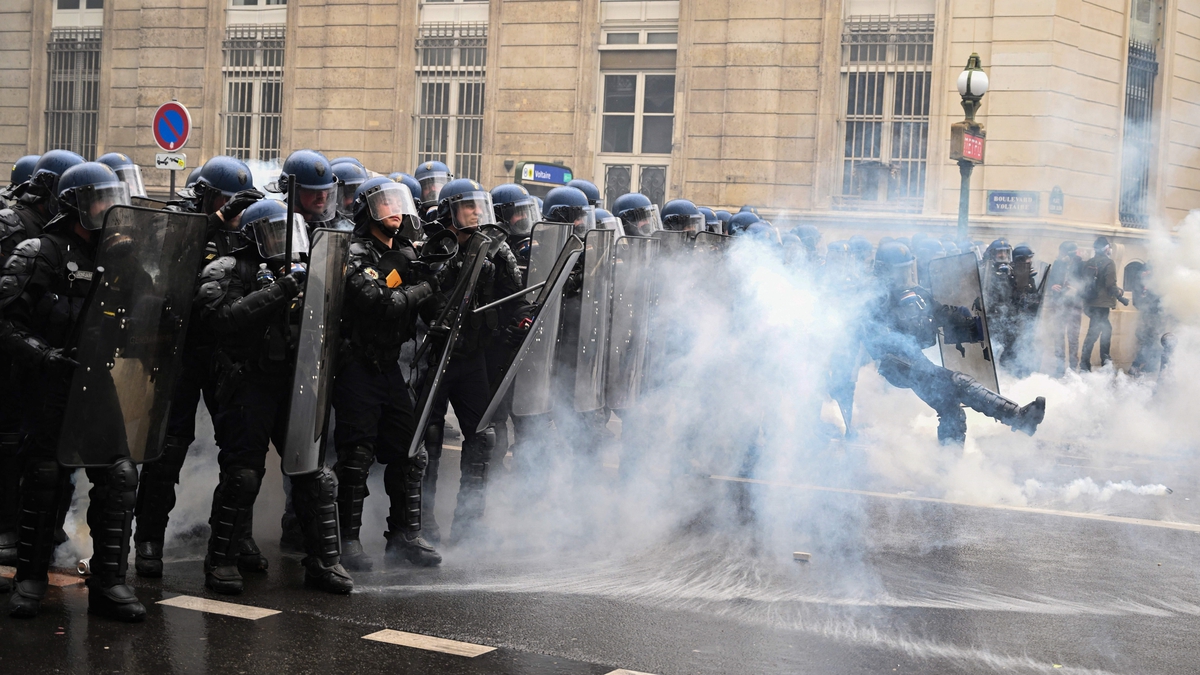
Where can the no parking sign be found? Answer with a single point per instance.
(172, 125)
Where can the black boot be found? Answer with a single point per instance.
(10, 497)
(155, 499)
(468, 511)
(352, 469)
(979, 398)
(233, 502)
(403, 483)
(433, 450)
(250, 557)
(315, 498)
(42, 484)
(110, 517)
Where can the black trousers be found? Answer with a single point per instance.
(373, 407)
(1099, 327)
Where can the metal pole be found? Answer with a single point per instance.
(964, 197)
(505, 299)
(171, 194)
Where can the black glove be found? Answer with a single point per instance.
(522, 322)
(238, 203)
(56, 360)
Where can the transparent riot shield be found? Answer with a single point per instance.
(711, 242)
(130, 336)
(316, 351)
(631, 296)
(594, 320)
(954, 281)
(531, 388)
(549, 295)
(148, 202)
(447, 323)
(673, 242)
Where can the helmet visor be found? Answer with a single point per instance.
(901, 276)
(271, 236)
(346, 205)
(582, 217)
(92, 201)
(471, 210)
(431, 185)
(520, 216)
(132, 176)
(684, 222)
(611, 223)
(1003, 255)
(392, 205)
(642, 221)
(317, 205)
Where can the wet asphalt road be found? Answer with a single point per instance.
(894, 585)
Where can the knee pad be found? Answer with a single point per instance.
(433, 434)
(489, 438)
(243, 486)
(354, 463)
(319, 487)
(44, 474)
(122, 475)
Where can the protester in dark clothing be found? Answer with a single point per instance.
(1102, 295)
(1150, 323)
(1064, 310)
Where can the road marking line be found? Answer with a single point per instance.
(1164, 524)
(218, 607)
(433, 644)
(622, 671)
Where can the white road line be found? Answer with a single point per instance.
(1145, 522)
(622, 671)
(433, 644)
(218, 607)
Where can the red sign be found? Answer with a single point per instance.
(972, 147)
(172, 125)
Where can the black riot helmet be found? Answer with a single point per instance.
(896, 266)
(682, 215)
(127, 170)
(741, 221)
(638, 214)
(465, 206)
(21, 172)
(432, 176)
(588, 188)
(43, 184)
(570, 205)
(311, 176)
(516, 209)
(350, 176)
(86, 191)
(221, 178)
(264, 226)
(389, 205)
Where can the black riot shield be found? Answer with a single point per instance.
(531, 386)
(594, 320)
(549, 296)
(316, 351)
(954, 281)
(130, 336)
(448, 323)
(633, 278)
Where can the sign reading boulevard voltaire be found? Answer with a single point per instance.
(1013, 203)
(546, 173)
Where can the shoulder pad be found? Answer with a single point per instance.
(359, 248)
(10, 223)
(214, 281)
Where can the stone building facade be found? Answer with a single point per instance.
(835, 112)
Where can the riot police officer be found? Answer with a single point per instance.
(711, 222)
(741, 221)
(375, 419)
(350, 176)
(223, 190)
(1023, 303)
(246, 300)
(905, 322)
(724, 217)
(464, 207)
(432, 176)
(42, 292)
(127, 170)
(36, 205)
(308, 175)
(681, 215)
(638, 214)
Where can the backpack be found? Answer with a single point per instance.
(1091, 279)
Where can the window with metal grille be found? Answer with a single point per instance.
(886, 78)
(1138, 146)
(73, 90)
(253, 73)
(448, 124)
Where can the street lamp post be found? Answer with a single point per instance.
(967, 138)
